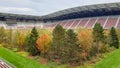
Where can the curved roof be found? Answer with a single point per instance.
(19, 16)
(85, 11)
(72, 13)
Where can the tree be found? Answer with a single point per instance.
(32, 47)
(2, 35)
(71, 48)
(43, 43)
(118, 33)
(114, 38)
(98, 36)
(58, 41)
(85, 40)
(9, 37)
(20, 41)
(26, 42)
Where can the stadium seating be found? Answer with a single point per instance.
(107, 22)
(26, 25)
(68, 24)
(91, 23)
(101, 20)
(63, 23)
(111, 22)
(83, 23)
(1, 24)
(75, 24)
(118, 25)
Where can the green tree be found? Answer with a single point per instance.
(114, 41)
(32, 47)
(71, 48)
(58, 41)
(98, 36)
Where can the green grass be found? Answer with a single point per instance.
(19, 61)
(112, 61)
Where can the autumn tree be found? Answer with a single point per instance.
(20, 41)
(9, 37)
(114, 41)
(43, 43)
(16, 36)
(85, 40)
(118, 33)
(32, 47)
(2, 35)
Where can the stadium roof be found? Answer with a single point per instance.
(71, 13)
(19, 16)
(85, 11)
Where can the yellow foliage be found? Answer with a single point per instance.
(20, 39)
(85, 39)
(43, 43)
(106, 32)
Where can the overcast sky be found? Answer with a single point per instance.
(43, 7)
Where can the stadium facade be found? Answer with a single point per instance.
(108, 15)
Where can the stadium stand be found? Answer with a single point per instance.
(4, 65)
(86, 16)
(106, 22)
(118, 23)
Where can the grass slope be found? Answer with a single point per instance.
(19, 61)
(112, 61)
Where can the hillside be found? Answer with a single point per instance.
(19, 61)
(112, 61)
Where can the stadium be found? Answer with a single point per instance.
(86, 36)
(79, 17)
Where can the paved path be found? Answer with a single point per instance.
(4, 64)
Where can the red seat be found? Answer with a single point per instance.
(68, 24)
(118, 25)
(111, 23)
(101, 21)
(62, 23)
(75, 23)
(91, 23)
(82, 23)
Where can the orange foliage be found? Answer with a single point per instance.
(43, 43)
